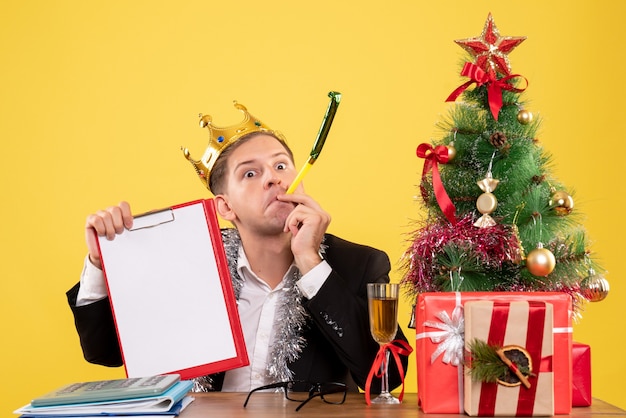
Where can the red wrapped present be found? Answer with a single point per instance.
(439, 326)
(581, 375)
(518, 337)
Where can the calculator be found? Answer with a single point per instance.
(108, 390)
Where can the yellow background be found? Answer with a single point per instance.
(96, 99)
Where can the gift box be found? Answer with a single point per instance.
(521, 383)
(581, 374)
(439, 345)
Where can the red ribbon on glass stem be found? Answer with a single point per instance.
(433, 156)
(494, 86)
(402, 348)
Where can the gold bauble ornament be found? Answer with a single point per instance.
(540, 261)
(524, 117)
(594, 287)
(451, 151)
(562, 203)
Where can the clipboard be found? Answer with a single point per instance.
(171, 294)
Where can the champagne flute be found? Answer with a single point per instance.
(382, 301)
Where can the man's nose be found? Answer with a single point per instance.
(272, 180)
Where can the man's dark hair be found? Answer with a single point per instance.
(217, 177)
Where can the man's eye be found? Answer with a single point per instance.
(248, 174)
(281, 166)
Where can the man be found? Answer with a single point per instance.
(301, 292)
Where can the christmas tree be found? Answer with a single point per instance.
(496, 219)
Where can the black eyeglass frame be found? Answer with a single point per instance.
(315, 390)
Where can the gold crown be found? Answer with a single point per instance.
(221, 137)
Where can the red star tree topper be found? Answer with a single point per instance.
(490, 49)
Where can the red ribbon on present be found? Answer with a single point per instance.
(433, 156)
(494, 86)
(534, 342)
(396, 348)
(546, 364)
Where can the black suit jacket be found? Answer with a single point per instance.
(339, 346)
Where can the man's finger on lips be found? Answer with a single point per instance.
(293, 222)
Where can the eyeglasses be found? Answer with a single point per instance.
(303, 392)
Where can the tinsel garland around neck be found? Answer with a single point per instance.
(291, 317)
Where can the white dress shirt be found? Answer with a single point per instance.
(257, 307)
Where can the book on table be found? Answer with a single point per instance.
(114, 397)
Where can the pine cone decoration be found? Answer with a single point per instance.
(497, 139)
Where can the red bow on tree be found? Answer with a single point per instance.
(433, 156)
(494, 86)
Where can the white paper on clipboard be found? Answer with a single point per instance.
(171, 294)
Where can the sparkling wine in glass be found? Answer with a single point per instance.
(382, 301)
